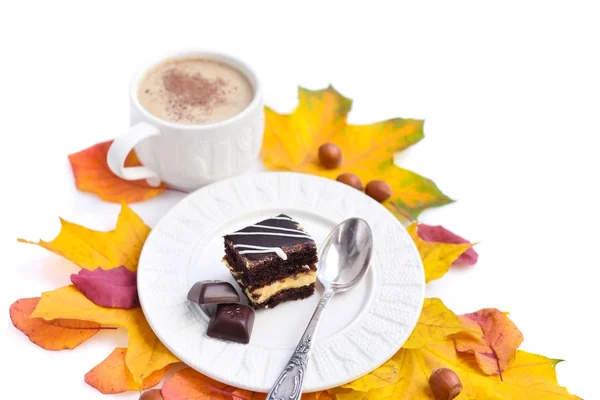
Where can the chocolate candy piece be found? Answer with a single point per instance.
(213, 292)
(232, 322)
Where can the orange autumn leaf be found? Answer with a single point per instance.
(492, 337)
(437, 257)
(189, 384)
(291, 142)
(90, 249)
(145, 353)
(111, 376)
(93, 175)
(57, 334)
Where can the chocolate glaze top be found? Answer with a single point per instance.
(276, 235)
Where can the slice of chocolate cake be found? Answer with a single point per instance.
(274, 260)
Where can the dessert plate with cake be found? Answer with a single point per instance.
(228, 281)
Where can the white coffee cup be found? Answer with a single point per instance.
(189, 156)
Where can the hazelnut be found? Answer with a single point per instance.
(153, 394)
(379, 190)
(330, 155)
(444, 384)
(351, 180)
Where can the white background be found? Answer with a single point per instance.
(511, 98)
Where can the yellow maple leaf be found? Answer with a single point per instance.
(349, 394)
(432, 346)
(435, 322)
(437, 257)
(145, 353)
(91, 249)
(316, 396)
(291, 142)
(530, 376)
(383, 376)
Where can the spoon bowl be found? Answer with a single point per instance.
(345, 255)
(343, 261)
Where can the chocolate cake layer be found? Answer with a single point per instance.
(271, 271)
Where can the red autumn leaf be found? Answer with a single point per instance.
(492, 337)
(58, 334)
(437, 233)
(112, 376)
(114, 288)
(93, 175)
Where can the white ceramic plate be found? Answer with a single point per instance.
(361, 329)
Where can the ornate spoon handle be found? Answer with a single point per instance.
(289, 383)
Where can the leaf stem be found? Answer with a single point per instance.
(402, 212)
(235, 396)
(174, 189)
(53, 322)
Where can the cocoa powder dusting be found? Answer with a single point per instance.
(192, 90)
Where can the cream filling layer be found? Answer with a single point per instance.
(264, 293)
(293, 282)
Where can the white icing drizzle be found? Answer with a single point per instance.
(297, 233)
(269, 234)
(261, 249)
(278, 228)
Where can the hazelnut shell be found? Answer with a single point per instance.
(330, 155)
(444, 384)
(350, 180)
(379, 190)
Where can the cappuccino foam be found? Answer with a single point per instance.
(194, 91)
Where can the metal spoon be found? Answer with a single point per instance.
(343, 261)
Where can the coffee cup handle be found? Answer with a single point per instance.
(122, 146)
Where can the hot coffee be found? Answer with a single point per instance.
(194, 91)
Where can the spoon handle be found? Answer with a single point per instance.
(289, 383)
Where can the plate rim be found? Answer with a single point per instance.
(168, 215)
